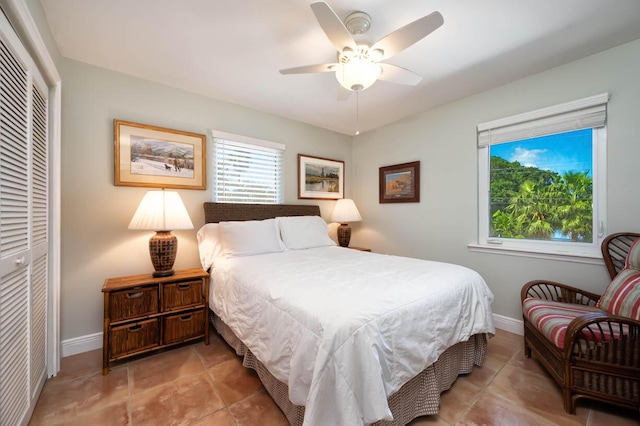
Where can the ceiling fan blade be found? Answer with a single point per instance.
(404, 37)
(309, 69)
(332, 26)
(398, 75)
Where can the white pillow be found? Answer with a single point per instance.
(209, 244)
(303, 232)
(250, 237)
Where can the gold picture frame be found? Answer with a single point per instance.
(156, 157)
(320, 178)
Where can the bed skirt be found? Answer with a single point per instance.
(420, 396)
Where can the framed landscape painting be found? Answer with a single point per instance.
(156, 157)
(400, 183)
(320, 178)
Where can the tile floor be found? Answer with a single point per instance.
(207, 385)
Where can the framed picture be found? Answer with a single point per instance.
(320, 178)
(400, 183)
(156, 157)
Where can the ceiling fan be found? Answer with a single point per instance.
(359, 65)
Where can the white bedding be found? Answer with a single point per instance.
(346, 329)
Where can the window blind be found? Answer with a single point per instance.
(248, 172)
(584, 113)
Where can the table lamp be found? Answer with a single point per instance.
(345, 211)
(162, 211)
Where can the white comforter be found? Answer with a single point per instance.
(346, 329)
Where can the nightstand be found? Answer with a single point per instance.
(144, 314)
(359, 248)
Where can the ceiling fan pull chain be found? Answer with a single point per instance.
(357, 112)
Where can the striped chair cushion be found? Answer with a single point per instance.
(553, 318)
(622, 296)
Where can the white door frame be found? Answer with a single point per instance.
(18, 13)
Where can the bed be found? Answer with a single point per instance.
(339, 336)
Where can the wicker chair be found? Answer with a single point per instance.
(590, 351)
(615, 249)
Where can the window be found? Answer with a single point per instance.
(542, 188)
(247, 170)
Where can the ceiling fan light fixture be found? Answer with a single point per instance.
(375, 54)
(360, 65)
(357, 75)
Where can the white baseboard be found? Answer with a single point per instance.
(511, 325)
(78, 345)
(90, 342)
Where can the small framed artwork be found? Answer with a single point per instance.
(400, 183)
(320, 178)
(156, 157)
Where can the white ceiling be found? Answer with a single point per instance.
(232, 49)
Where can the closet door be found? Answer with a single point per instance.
(39, 239)
(23, 231)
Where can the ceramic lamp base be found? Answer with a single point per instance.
(163, 247)
(344, 235)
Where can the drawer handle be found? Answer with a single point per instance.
(135, 328)
(186, 317)
(184, 286)
(134, 295)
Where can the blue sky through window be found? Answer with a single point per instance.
(561, 153)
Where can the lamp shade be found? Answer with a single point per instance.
(345, 211)
(357, 74)
(161, 211)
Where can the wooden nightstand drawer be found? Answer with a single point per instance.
(133, 303)
(183, 326)
(134, 337)
(181, 295)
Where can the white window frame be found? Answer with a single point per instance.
(583, 113)
(253, 144)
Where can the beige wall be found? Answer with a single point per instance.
(95, 214)
(444, 140)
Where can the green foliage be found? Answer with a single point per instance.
(530, 203)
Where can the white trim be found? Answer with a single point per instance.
(600, 185)
(230, 137)
(19, 15)
(587, 258)
(78, 345)
(55, 204)
(584, 113)
(511, 325)
(587, 102)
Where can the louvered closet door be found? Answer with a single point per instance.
(23, 231)
(39, 232)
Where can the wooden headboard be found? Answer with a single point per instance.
(224, 212)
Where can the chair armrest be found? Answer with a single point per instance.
(558, 292)
(590, 337)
